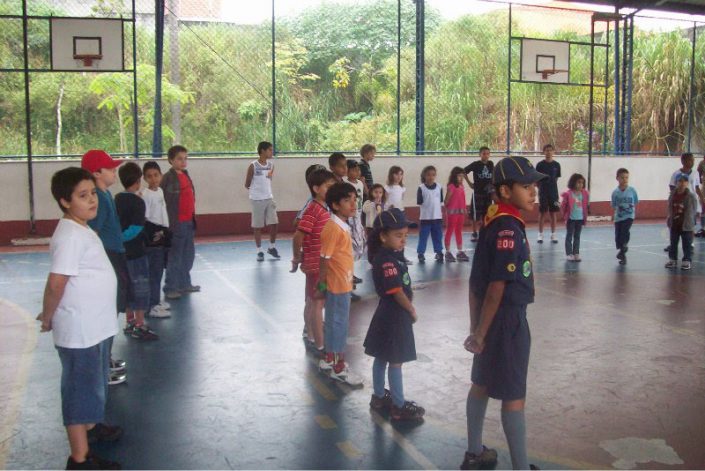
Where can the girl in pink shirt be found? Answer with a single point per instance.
(455, 214)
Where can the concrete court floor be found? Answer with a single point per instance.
(616, 379)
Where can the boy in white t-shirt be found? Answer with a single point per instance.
(264, 210)
(158, 235)
(79, 308)
(357, 231)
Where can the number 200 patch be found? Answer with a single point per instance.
(505, 243)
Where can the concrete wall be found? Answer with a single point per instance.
(223, 206)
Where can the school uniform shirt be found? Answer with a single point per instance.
(548, 187)
(86, 314)
(261, 184)
(481, 177)
(131, 209)
(155, 207)
(359, 191)
(336, 247)
(390, 336)
(314, 218)
(430, 199)
(395, 196)
(693, 179)
(624, 203)
(106, 223)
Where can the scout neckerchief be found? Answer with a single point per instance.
(502, 209)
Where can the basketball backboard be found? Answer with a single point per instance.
(79, 44)
(545, 61)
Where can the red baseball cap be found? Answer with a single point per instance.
(95, 160)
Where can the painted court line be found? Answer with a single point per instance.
(349, 450)
(325, 422)
(402, 442)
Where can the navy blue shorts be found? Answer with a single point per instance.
(503, 364)
(138, 292)
(84, 383)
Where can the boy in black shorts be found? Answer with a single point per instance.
(501, 287)
(481, 184)
(548, 192)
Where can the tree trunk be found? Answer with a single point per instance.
(174, 65)
(58, 119)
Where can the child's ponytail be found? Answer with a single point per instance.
(374, 243)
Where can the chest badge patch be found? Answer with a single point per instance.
(526, 269)
(405, 279)
(511, 268)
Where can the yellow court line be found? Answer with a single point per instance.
(322, 389)
(15, 392)
(403, 443)
(349, 450)
(325, 422)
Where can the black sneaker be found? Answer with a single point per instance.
(422, 258)
(485, 460)
(354, 298)
(473, 238)
(409, 411)
(260, 256)
(117, 377)
(439, 257)
(104, 433)
(382, 404)
(462, 257)
(92, 462)
(700, 233)
(144, 333)
(273, 252)
(357, 280)
(129, 327)
(621, 257)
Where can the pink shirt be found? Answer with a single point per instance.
(456, 200)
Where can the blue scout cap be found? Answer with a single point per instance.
(391, 219)
(682, 176)
(516, 169)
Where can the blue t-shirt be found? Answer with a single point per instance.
(576, 212)
(624, 203)
(106, 223)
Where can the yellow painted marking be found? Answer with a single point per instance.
(11, 394)
(325, 422)
(322, 389)
(403, 443)
(349, 450)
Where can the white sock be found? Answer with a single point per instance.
(259, 249)
(271, 245)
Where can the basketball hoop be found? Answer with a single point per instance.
(548, 72)
(87, 58)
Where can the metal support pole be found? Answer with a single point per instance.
(28, 118)
(623, 108)
(617, 101)
(592, 99)
(399, 77)
(135, 124)
(629, 87)
(420, 79)
(606, 83)
(274, 84)
(509, 85)
(157, 147)
(691, 94)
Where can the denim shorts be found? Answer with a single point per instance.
(84, 383)
(337, 315)
(138, 294)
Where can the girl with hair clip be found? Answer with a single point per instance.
(390, 337)
(455, 214)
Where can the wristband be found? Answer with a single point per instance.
(322, 287)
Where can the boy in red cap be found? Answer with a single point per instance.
(107, 225)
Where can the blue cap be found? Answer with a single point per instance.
(516, 169)
(682, 176)
(391, 219)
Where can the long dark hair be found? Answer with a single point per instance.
(384, 192)
(394, 169)
(573, 181)
(453, 178)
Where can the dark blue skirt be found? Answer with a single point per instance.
(390, 336)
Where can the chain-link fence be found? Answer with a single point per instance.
(322, 75)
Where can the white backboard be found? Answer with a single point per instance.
(79, 36)
(538, 55)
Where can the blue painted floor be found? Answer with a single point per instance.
(618, 363)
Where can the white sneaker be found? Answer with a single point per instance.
(341, 376)
(577, 258)
(539, 239)
(554, 239)
(324, 365)
(164, 305)
(671, 264)
(158, 312)
(685, 265)
(570, 258)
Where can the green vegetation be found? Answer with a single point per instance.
(336, 87)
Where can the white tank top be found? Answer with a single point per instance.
(261, 184)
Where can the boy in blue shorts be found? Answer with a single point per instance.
(501, 287)
(624, 201)
(79, 310)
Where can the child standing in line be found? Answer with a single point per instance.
(548, 192)
(481, 184)
(373, 207)
(624, 201)
(180, 197)
(79, 310)
(367, 154)
(501, 288)
(131, 209)
(357, 230)
(430, 197)
(395, 187)
(574, 208)
(682, 208)
(390, 337)
(107, 225)
(455, 213)
(264, 210)
(338, 164)
(158, 236)
(335, 278)
(306, 248)
(309, 170)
